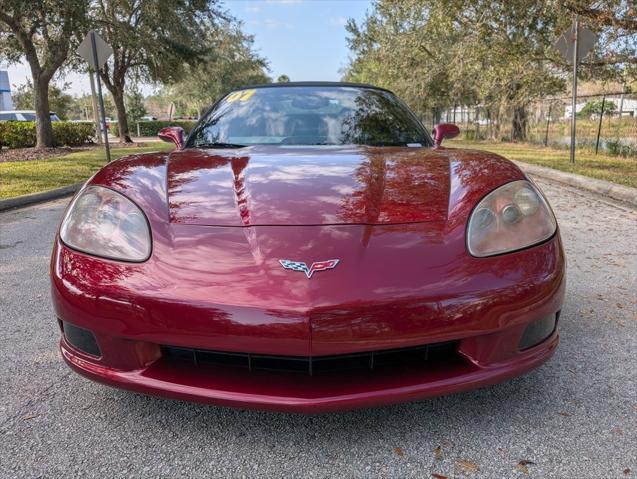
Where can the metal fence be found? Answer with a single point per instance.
(613, 131)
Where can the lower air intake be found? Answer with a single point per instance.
(312, 365)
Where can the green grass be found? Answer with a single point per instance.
(25, 177)
(604, 167)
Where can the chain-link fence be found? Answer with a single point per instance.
(606, 122)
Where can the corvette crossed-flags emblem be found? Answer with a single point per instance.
(316, 266)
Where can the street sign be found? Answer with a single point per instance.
(96, 52)
(566, 43)
(574, 45)
(104, 51)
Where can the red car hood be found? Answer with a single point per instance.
(273, 185)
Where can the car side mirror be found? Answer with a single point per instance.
(445, 130)
(174, 134)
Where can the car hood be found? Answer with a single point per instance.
(274, 185)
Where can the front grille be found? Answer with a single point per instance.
(313, 365)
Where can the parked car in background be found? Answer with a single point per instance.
(23, 115)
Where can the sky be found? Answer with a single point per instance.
(304, 39)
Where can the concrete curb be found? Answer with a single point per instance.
(625, 194)
(43, 197)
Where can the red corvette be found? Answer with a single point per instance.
(308, 248)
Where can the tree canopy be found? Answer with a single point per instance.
(152, 42)
(231, 62)
(495, 53)
(41, 31)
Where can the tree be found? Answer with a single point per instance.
(59, 102)
(152, 42)
(595, 108)
(40, 31)
(614, 57)
(498, 54)
(441, 53)
(135, 105)
(230, 63)
(283, 79)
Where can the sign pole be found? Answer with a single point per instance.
(548, 124)
(99, 94)
(574, 100)
(599, 126)
(96, 114)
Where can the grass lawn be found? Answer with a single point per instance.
(611, 168)
(25, 177)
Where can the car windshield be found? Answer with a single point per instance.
(309, 115)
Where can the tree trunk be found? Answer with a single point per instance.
(43, 128)
(122, 120)
(518, 130)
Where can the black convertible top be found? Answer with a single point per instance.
(312, 83)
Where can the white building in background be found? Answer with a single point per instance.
(628, 106)
(568, 109)
(5, 91)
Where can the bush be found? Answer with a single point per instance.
(617, 148)
(17, 134)
(151, 128)
(21, 134)
(72, 134)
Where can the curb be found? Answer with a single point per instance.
(27, 200)
(625, 194)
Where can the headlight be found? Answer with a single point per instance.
(104, 223)
(509, 218)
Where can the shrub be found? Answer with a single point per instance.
(21, 134)
(151, 128)
(617, 148)
(72, 134)
(17, 134)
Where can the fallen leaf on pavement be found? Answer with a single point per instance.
(438, 452)
(438, 476)
(627, 471)
(32, 416)
(522, 466)
(466, 465)
(399, 451)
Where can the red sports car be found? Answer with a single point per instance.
(309, 247)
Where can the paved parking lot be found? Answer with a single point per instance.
(575, 417)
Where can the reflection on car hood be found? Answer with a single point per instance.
(272, 185)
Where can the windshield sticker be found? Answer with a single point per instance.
(243, 96)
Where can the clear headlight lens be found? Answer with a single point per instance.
(105, 223)
(510, 218)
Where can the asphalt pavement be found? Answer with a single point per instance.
(575, 417)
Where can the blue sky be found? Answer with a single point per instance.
(304, 39)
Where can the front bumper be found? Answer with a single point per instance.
(301, 393)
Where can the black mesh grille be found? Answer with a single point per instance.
(81, 339)
(313, 365)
